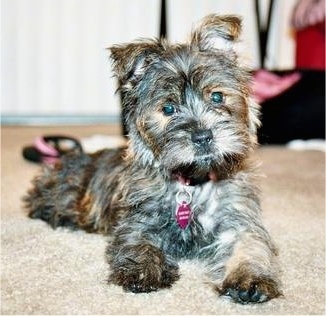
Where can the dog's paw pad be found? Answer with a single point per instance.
(250, 289)
(244, 296)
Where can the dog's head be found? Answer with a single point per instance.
(187, 106)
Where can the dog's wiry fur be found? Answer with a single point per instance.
(130, 193)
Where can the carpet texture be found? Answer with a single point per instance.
(61, 272)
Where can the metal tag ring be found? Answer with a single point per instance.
(183, 197)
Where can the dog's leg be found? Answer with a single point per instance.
(78, 192)
(54, 195)
(242, 259)
(136, 264)
(243, 265)
(250, 274)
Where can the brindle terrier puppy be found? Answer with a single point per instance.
(183, 188)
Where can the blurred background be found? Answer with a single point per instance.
(56, 68)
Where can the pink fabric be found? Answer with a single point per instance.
(267, 85)
(45, 148)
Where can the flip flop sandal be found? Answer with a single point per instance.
(49, 149)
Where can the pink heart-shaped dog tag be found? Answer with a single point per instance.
(183, 215)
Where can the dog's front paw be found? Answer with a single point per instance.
(142, 269)
(245, 287)
(257, 291)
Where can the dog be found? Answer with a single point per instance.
(184, 187)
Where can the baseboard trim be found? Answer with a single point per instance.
(58, 119)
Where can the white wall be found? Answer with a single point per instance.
(280, 52)
(182, 13)
(54, 57)
(281, 44)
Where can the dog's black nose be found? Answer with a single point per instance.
(202, 137)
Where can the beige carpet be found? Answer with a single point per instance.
(61, 272)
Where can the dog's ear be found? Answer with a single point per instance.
(130, 61)
(217, 32)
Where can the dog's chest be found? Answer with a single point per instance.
(184, 234)
(202, 202)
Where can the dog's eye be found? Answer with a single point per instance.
(168, 109)
(217, 97)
